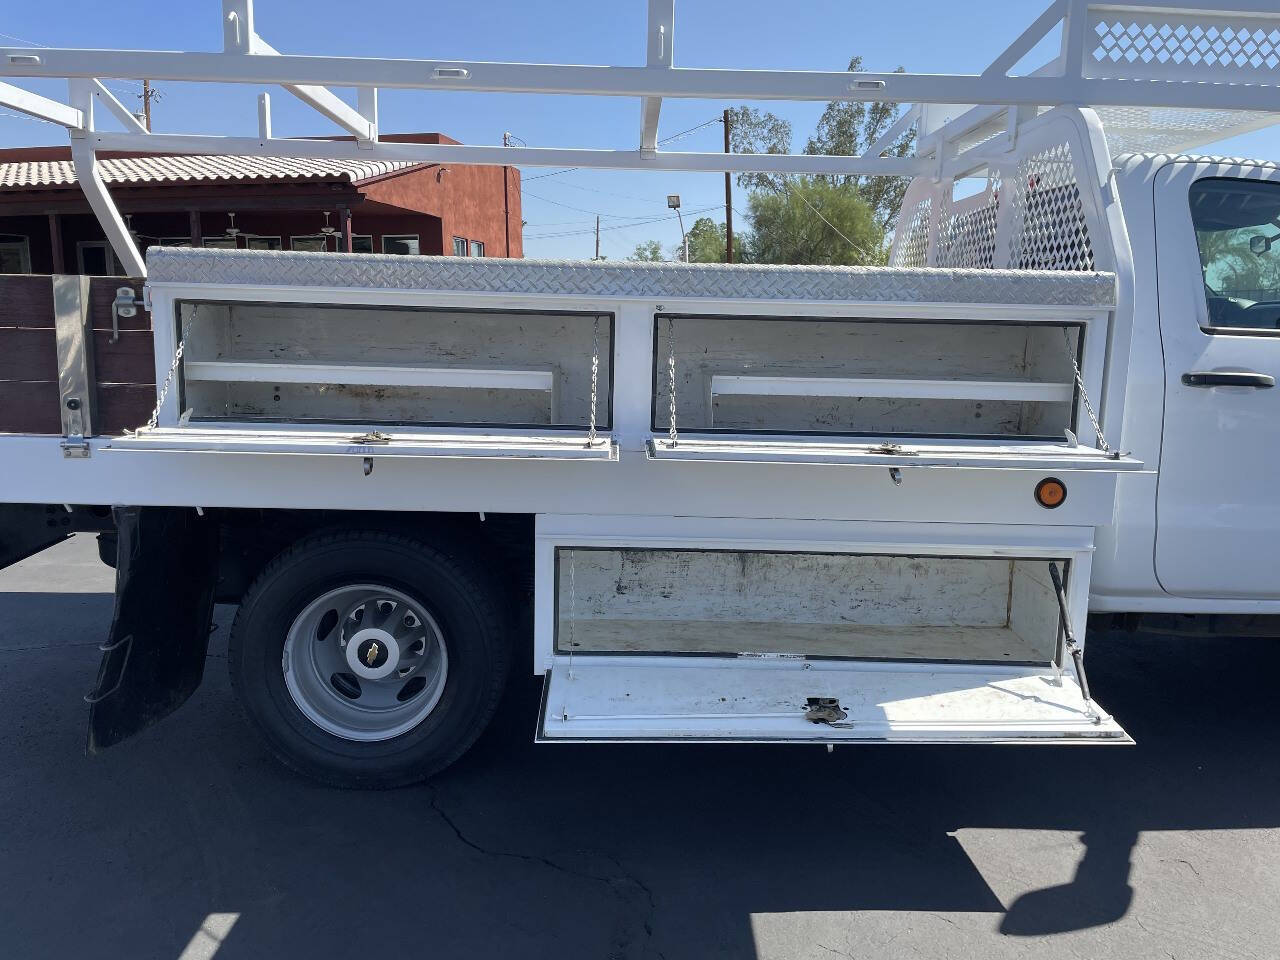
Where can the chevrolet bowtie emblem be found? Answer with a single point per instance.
(371, 654)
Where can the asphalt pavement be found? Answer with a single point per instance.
(190, 842)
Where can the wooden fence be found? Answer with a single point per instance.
(124, 370)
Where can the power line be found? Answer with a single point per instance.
(607, 193)
(553, 173)
(30, 43)
(619, 226)
(556, 173)
(684, 133)
(594, 213)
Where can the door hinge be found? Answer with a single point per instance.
(75, 447)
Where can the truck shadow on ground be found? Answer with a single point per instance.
(592, 851)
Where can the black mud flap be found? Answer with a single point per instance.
(154, 657)
(28, 528)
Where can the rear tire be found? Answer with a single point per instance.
(332, 601)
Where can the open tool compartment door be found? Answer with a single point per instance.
(358, 373)
(716, 629)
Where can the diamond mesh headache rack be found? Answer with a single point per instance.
(1171, 75)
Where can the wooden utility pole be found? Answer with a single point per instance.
(728, 200)
(147, 94)
(597, 236)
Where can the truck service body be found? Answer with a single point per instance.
(741, 502)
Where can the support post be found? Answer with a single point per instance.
(658, 53)
(85, 161)
(264, 116)
(240, 36)
(55, 243)
(344, 225)
(197, 238)
(728, 199)
(73, 332)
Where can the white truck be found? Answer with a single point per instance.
(747, 503)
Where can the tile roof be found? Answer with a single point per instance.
(27, 174)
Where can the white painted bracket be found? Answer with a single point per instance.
(118, 109)
(662, 20)
(42, 108)
(239, 36)
(85, 160)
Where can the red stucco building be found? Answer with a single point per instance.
(365, 206)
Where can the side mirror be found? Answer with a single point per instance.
(1258, 244)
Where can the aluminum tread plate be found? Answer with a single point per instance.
(279, 268)
(714, 699)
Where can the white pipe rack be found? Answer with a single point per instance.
(1131, 54)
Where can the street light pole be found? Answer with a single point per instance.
(673, 201)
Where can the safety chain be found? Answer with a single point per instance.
(1084, 396)
(573, 597)
(672, 435)
(595, 379)
(154, 420)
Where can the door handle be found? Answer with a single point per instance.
(1228, 378)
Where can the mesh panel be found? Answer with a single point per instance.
(1172, 130)
(968, 238)
(1051, 232)
(914, 248)
(1193, 45)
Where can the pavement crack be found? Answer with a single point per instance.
(623, 887)
(838, 953)
(1190, 866)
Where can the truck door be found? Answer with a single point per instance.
(1217, 505)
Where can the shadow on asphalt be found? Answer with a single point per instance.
(587, 851)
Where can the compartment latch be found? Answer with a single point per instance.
(375, 436)
(824, 710)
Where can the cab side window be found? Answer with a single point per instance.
(1237, 224)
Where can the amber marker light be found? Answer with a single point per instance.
(1051, 492)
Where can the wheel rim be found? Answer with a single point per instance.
(365, 662)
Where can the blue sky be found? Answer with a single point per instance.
(926, 36)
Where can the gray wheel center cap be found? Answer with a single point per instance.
(373, 653)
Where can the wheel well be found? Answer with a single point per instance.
(251, 538)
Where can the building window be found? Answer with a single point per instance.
(15, 253)
(315, 244)
(404, 244)
(477, 248)
(221, 243)
(95, 259)
(263, 243)
(362, 243)
(460, 247)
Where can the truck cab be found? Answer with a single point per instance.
(1198, 534)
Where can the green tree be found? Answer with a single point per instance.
(813, 220)
(707, 240)
(650, 250)
(848, 130)
(758, 131)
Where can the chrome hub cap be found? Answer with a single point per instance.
(365, 662)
